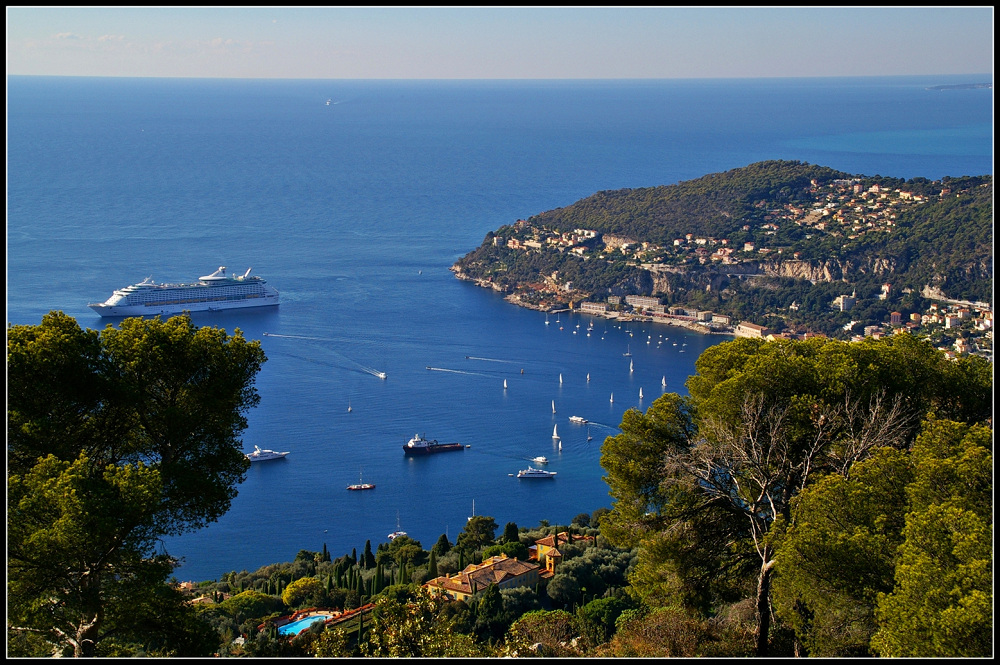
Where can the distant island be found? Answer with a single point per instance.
(961, 86)
(782, 247)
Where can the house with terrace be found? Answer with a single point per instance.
(504, 571)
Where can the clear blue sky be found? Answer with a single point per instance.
(499, 42)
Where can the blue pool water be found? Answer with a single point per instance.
(296, 627)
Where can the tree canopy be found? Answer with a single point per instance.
(705, 485)
(115, 439)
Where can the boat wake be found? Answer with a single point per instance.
(455, 371)
(364, 368)
(492, 360)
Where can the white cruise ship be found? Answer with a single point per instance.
(212, 292)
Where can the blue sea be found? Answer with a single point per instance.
(355, 210)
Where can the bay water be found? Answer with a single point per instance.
(353, 198)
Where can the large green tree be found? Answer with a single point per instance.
(115, 439)
(941, 604)
(705, 485)
(839, 554)
(479, 531)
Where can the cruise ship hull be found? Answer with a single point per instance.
(180, 308)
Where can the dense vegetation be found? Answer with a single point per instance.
(943, 243)
(817, 498)
(115, 439)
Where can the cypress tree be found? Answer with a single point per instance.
(354, 555)
(432, 567)
(369, 557)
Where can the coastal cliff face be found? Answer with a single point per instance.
(818, 271)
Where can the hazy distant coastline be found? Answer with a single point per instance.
(961, 86)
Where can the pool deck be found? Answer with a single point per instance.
(335, 616)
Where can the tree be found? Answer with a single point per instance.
(368, 560)
(839, 554)
(543, 633)
(115, 439)
(250, 605)
(515, 550)
(479, 532)
(490, 617)
(510, 533)
(598, 617)
(563, 590)
(412, 630)
(432, 569)
(302, 592)
(705, 485)
(442, 545)
(941, 604)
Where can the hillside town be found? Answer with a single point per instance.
(844, 209)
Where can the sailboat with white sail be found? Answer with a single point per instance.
(555, 433)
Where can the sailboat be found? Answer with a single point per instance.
(640, 393)
(473, 511)
(612, 398)
(630, 368)
(628, 351)
(505, 384)
(349, 406)
(547, 319)
(560, 445)
(588, 377)
(555, 434)
(398, 532)
(560, 379)
(663, 382)
(361, 485)
(589, 437)
(553, 406)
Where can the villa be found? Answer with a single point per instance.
(501, 570)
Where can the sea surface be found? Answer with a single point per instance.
(355, 209)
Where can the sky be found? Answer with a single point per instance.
(499, 42)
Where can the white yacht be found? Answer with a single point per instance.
(579, 420)
(213, 292)
(532, 472)
(259, 455)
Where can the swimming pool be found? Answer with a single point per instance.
(296, 627)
